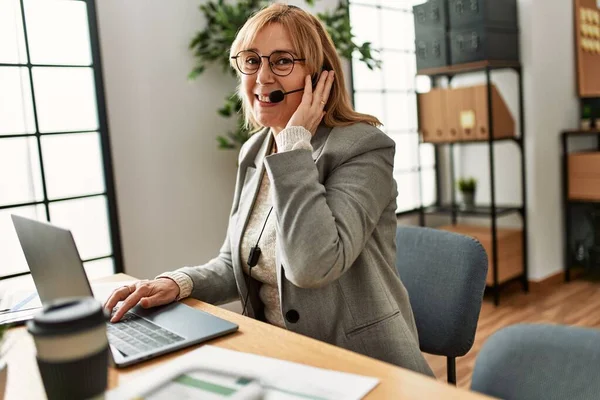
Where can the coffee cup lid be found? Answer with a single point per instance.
(67, 315)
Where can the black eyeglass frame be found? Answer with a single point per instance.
(294, 60)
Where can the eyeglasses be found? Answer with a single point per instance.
(280, 62)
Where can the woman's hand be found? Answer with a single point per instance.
(310, 111)
(148, 293)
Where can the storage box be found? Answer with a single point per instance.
(432, 116)
(482, 12)
(432, 49)
(584, 175)
(460, 111)
(483, 43)
(459, 114)
(431, 16)
(510, 249)
(504, 123)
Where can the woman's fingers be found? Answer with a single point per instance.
(310, 112)
(307, 95)
(319, 90)
(118, 295)
(328, 86)
(131, 301)
(320, 98)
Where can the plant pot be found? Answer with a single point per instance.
(597, 124)
(586, 124)
(3, 378)
(468, 200)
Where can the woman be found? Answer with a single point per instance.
(315, 194)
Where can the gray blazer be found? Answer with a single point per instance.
(335, 231)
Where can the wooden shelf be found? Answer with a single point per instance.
(477, 141)
(581, 132)
(583, 201)
(478, 211)
(469, 67)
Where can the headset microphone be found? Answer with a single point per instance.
(278, 95)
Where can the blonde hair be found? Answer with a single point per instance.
(310, 41)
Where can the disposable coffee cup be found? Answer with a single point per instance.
(72, 348)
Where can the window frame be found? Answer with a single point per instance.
(103, 132)
(419, 168)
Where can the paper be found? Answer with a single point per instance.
(207, 386)
(213, 373)
(21, 304)
(467, 119)
(19, 300)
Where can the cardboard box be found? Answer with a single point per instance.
(432, 116)
(461, 114)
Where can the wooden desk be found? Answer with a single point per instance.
(24, 381)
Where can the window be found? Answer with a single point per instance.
(389, 93)
(54, 151)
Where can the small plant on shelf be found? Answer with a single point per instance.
(467, 187)
(586, 117)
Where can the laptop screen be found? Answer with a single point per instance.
(53, 259)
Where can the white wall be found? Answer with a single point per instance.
(551, 105)
(556, 108)
(174, 188)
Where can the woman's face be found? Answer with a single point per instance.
(256, 87)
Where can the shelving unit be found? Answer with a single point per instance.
(496, 279)
(570, 203)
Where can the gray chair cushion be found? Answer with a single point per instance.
(445, 274)
(540, 362)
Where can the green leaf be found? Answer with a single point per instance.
(224, 143)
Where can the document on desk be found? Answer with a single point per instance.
(214, 373)
(21, 304)
(18, 305)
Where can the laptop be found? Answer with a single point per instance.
(142, 334)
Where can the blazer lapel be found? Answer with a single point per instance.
(251, 184)
(319, 139)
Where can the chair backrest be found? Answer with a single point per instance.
(444, 274)
(539, 361)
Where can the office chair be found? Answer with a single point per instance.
(444, 274)
(539, 361)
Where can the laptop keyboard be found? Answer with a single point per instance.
(133, 335)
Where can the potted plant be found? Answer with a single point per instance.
(467, 187)
(3, 366)
(586, 117)
(224, 19)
